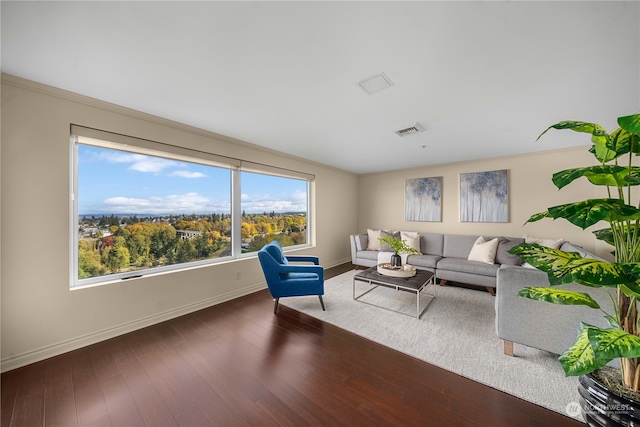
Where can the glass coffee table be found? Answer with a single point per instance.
(415, 284)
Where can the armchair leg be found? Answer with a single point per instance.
(275, 308)
(321, 302)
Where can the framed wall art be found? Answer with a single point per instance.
(484, 197)
(423, 199)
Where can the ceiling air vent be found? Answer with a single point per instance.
(375, 83)
(417, 128)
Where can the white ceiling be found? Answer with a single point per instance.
(483, 78)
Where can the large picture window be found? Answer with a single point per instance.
(273, 208)
(139, 211)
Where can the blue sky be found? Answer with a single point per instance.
(119, 182)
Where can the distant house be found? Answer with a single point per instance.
(188, 234)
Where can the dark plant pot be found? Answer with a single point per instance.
(603, 407)
(396, 260)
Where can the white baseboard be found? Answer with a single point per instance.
(56, 349)
(337, 262)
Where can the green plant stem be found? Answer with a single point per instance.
(630, 166)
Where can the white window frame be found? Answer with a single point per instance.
(98, 138)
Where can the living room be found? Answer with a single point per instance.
(36, 119)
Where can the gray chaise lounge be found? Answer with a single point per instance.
(538, 324)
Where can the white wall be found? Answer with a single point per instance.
(40, 316)
(381, 197)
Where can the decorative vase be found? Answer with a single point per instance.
(603, 407)
(396, 260)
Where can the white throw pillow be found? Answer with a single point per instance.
(374, 243)
(412, 240)
(484, 251)
(550, 243)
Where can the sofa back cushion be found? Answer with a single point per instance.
(362, 241)
(383, 246)
(458, 246)
(503, 256)
(484, 250)
(569, 247)
(373, 244)
(412, 240)
(550, 243)
(431, 244)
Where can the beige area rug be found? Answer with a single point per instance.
(456, 333)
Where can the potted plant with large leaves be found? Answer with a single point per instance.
(595, 347)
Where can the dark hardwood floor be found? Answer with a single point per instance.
(238, 364)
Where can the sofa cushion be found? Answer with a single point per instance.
(431, 244)
(570, 247)
(502, 254)
(361, 242)
(466, 266)
(368, 255)
(550, 243)
(426, 261)
(458, 246)
(411, 239)
(383, 246)
(373, 244)
(484, 250)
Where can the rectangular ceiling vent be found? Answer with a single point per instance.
(375, 83)
(417, 128)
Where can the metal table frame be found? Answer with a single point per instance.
(395, 283)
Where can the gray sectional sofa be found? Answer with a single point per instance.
(536, 324)
(445, 255)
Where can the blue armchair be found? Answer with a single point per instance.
(286, 280)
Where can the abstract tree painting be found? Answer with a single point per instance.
(484, 197)
(423, 199)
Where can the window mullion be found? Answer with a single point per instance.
(236, 213)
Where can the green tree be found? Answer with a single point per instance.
(89, 263)
(114, 221)
(204, 245)
(117, 257)
(185, 251)
(259, 241)
(139, 246)
(299, 238)
(163, 240)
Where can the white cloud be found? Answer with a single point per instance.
(139, 162)
(170, 204)
(187, 174)
(151, 164)
(299, 196)
(125, 201)
(259, 203)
